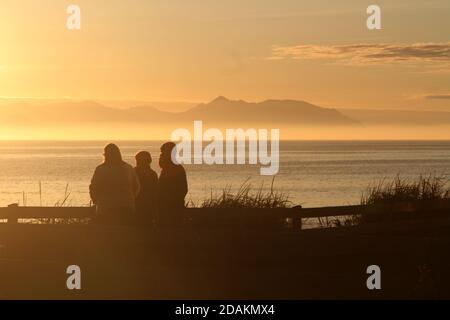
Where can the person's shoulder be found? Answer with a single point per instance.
(129, 168)
(100, 170)
(153, 173)
(180, 169)
(127, 165)
(100, 167)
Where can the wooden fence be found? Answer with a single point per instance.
(14, 214)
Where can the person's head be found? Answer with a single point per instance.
(112, 154)
(143, 159)
(165, 158)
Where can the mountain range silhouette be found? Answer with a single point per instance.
(220, 110)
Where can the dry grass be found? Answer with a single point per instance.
(425, 188)
(248, 197)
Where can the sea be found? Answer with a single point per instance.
(311, 173)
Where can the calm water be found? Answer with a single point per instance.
(313, 173)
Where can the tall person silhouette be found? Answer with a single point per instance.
(114, 188)
(172, 186)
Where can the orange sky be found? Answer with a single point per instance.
(256, 49)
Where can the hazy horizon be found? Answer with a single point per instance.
(90, 120)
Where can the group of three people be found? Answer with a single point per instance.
(123, 194)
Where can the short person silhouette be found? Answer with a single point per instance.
(147, 199)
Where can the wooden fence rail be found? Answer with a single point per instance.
(13, 213)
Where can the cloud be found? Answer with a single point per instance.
(432, 53)
(439, 97)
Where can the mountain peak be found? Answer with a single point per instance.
(220, 99)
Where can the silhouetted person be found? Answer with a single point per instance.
(172, 187)
(146, 201)
(114, 188)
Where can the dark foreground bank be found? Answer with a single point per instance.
(226, 263)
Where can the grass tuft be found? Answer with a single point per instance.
(248, 197)
(426, 188)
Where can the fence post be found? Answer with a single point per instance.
(15, 219)
(296, 220)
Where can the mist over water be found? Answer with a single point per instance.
(314, 173)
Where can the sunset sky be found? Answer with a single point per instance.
(318, 51)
